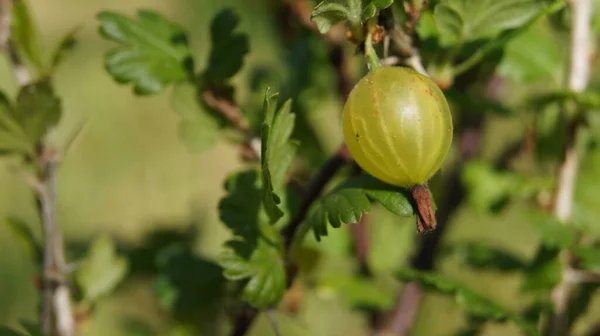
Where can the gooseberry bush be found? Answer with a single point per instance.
(483, 107)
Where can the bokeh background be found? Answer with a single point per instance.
(128, 175)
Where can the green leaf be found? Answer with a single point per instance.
(197, 128)
(347, 202)
(586, 100)
(589, 258)
(262, 270)
(532, 56)
(152, 53)
(475, 304)
(353, 12)
(253, 255)
(12, 136)
(37, 110)
(359, 292)
(544, 272)
(64, 47)
(461, 21)
(228, 48)
(5, 331)
(25, 36)
(240, 208)
(552, 232)
(32, 328)
(102, 270)
(488, 190)
(278, 152)
(480, 256)
(25, 236)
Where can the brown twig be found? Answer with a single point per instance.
(56, 316)
(579, 72)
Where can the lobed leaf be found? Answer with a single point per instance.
(153, 52)
(354, 12)
(347, 202)
(253, 255)
(476, 305)
(278, 153)
(228, 48)
(263, 270)
(102, 270)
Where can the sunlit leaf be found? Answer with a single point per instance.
(153, 52)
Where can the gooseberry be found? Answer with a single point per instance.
(398, 126)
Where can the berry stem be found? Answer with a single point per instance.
(425, 215)
(370, 54)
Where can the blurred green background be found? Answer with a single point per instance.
(129, 175)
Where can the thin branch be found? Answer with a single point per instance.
(579, 72)
(230, 111)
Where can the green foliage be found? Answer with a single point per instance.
(12, 137)
(348, 201)
(228, 48)
(462, 21)
(359, 292)
(21, 231)
(476, 305)
(25, 36)
(544, 272)
(532, 56)
(552, 233)
(278, 152)
(197, 128)
(262, 269)
(589, 258)
(152, 53)
(64, 47)
(253, 255)
(31, 328)
(37, 110)
(353, 12)
(480, 256)
(102, 270)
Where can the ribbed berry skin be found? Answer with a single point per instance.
(398, 126)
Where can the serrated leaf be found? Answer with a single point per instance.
(589, 258)
(197, 128)
(476, 305)
(25, 36)
(64, 47)
(228, 47)
(544, 272)
(278, 153)
(22, 233)
(552, 232)
(239, 210)
(359, 292)
(480, 256)
(263, 270)
(12, 137)
(37, 110)
(353, 12)
(347, 202)
(153, 52)
(461, 21)
(532, 56)
(102, 270)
